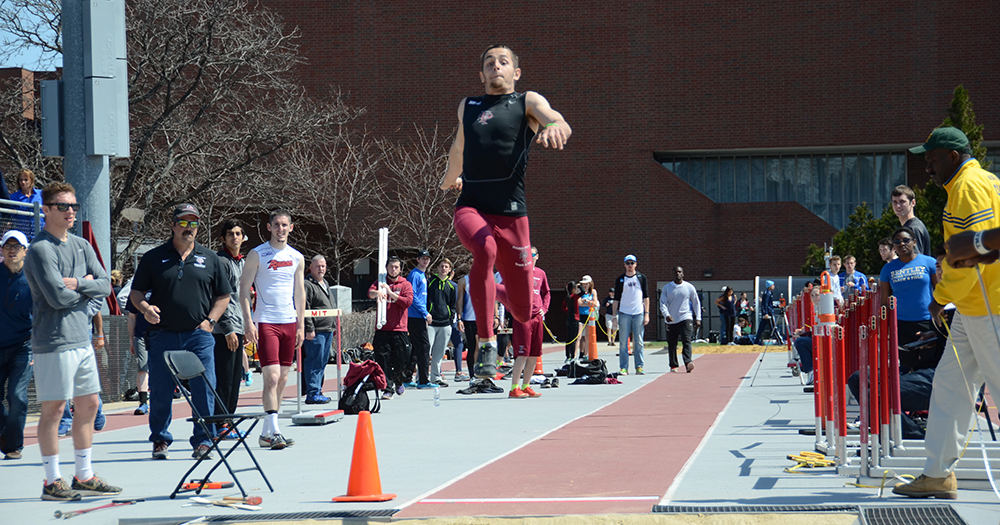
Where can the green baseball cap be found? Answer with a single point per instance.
(948, 138)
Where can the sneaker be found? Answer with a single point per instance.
(926, 487)
(486, 361)
(690, 366)
(317, 399)
(440, 383)
(95, 486)
(65, 430)
(202, 452)
(531, 393)
(161, 450)
(247, 378)
(142, 409)
(517, 393)
(555, 382)
(400, 389)
(231, 433)
(425, 386)
(638, 371)
(623, 372)
(673, 369)
(13, 454)
(273, 442)
(100, 420)
(410, 384)
(387, 395)
(58, 490)
(461, 376)
(547, 383)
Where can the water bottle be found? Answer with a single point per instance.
(437, 396)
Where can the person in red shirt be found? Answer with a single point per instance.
(392, 342)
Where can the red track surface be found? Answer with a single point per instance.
(636, 447)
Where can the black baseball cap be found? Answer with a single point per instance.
(423, 253)
(186, 209)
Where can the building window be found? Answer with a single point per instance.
(831, 185)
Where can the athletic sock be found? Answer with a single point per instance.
(51, 465)
(143, 398)
(267, 430)
(273, 420)
(83, 469)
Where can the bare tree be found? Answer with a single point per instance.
(333, 204)
(33, 25)
(413, 204)
(20, 139)
(212, 102)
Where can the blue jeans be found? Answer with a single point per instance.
(15, 369)
(66, 422)
(161, 383)
(629, 324)
(317, 355)
(804, 346)
(458, 345)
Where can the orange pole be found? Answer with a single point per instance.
(591, 340)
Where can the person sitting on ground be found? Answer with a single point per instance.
(803, 339)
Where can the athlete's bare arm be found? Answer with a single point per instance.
(300, 304)
(453, 175)
(550, 126)
(246, 282)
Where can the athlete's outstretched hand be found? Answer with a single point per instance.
(962, 253)
(552, 136)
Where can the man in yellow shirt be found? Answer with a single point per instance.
(973, 351)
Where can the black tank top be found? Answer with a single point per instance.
(497, 140)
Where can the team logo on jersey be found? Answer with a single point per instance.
(199, 261)
(484, 117)
(275, 264)
(523, 255)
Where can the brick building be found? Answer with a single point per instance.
(829, 95)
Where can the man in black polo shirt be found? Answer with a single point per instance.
(189, 295)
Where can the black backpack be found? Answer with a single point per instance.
(355, 398)
(596, 371)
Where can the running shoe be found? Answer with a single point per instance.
(317, 399)
(638, 371)
(387, 395)
(161, 450)
(531, 393)
(247, 378)
(461, 376)
(400, 388)
(100, 420)
(65, 430)
(673, 369)
(13, 454)
(202, 452)
(273, 442)
(486, 360)
(440, 383)
(425, 386)
(58, 490)
(142, 409)
(517, 393)
(95, 486)
(690, 366)
(623, 372)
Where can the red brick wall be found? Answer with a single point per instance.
(643, 76)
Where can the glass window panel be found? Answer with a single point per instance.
(695, 177)
(822, 178)
(822, 210)
(712, 178)
(758, 175)
(788, 175)
(866, 181)
(883, 173)
(898, 169)
(772, 176)
(835, 173)
(669, 164)
(726, 186)
(837, 218)
(805, 183)
(742, 179)
(851, 179)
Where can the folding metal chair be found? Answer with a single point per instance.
(184, 365)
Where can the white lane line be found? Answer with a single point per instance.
(697, 451)
(513, 450)
(540, 500)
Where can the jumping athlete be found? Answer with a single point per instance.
(486, 163)
(278, 323)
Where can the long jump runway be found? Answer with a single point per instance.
(621, 458)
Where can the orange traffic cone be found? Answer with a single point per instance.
(539, 371)
(591, 341)
(364, 483)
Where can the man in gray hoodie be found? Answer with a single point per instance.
(64, 275)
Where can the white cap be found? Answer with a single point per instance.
(586, 279)
(14, 234)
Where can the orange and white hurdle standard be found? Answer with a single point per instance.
(861, 336)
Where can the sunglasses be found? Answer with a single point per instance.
(65, 206)
(630, 263)
(534, 255)
(180, 270)
(188, 224)
(899, 242)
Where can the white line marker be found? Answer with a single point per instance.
(541, 500)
